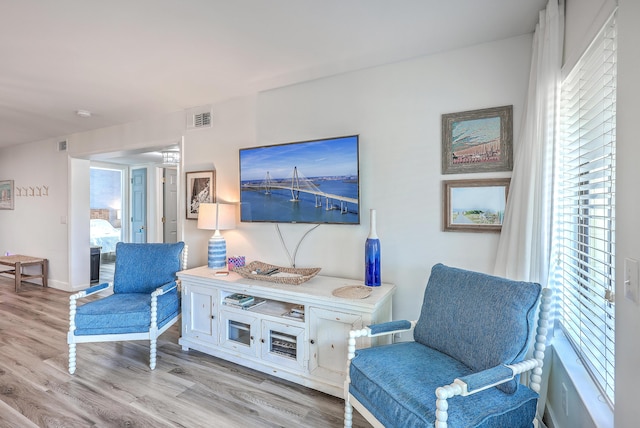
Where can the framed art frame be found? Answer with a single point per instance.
(474, 205)
(478, 141)
(201, 188)
(7, 195)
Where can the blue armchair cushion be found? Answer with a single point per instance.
(141, 268)
(403, 394)
(480, 320)
(125, 313)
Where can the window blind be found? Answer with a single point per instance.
(585, 207)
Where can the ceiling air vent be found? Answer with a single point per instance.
(62, 146)
(202, 119)
(199, 117)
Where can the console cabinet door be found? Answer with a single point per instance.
(282, 344)
(240, 332)
(199, 309)
(328, 336)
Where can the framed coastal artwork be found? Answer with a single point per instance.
(201, 188)
(6, 194)
(474, 205)
(477, 141)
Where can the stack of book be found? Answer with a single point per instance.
(296, 313)
(242, 301)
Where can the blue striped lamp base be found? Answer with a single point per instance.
(217, 253)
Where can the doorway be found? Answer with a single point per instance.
(170, 205)
(107, 193)
(139, 204)
(147, 210)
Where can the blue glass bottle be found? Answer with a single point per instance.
(372, 255)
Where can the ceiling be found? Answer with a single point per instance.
(125, 60)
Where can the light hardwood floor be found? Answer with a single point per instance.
(114, 387)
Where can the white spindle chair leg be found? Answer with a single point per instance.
(73, 306)
(72, 358)
(153, 355)
(348, 413)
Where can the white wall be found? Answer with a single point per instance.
(37, 226)
(57, 226)
(583, 19)
(397, 111)
(159, 131)
(146, 135)
(216, 148)
(78, 223)
(627, 410)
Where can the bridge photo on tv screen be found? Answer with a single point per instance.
(305, 182)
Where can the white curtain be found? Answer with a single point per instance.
(524, 250)
(524, 247)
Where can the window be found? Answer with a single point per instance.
(584, 221)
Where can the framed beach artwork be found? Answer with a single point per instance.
(201, 188)
(474, 205)
(478, 141)
(6, 194)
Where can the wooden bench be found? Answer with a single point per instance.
(18, 262)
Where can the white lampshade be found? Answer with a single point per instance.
(217, 217)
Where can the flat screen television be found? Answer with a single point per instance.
(313, 181)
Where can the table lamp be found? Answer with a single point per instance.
(217, 217)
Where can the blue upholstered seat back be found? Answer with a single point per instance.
(141, 268)
(478, 319)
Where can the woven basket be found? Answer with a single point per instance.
(301, 274)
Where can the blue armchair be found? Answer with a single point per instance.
(144, 304)
(462, 369)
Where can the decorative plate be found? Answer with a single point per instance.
(352, 292)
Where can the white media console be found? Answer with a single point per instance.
(298, 333)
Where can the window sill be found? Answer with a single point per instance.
(596, 405)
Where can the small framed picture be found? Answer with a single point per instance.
(201, 188)
(7, 195)
(474, 205)
(478, 141)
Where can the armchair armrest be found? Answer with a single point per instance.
(485, 379)
(375, 330)
(73, 305)
(390, 327)
(163, 289)
(476, 382)
(89, 291)
(382, 329)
